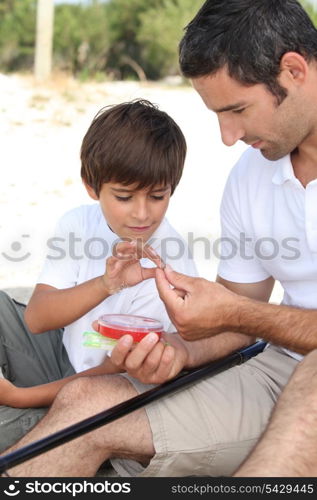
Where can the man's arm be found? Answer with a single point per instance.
(154, 362)
(200, 308)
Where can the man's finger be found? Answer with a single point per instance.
(169, 295)
(179, 280)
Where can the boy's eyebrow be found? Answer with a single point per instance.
(125, 190)
(230, 107)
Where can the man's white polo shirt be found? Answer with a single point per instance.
(269, 228)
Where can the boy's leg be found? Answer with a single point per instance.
(26, 360)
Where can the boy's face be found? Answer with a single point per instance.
(132, 213)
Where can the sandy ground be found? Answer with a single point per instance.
(41, 131)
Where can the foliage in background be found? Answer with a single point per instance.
(17, 34)
(113, 38)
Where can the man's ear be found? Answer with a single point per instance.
(90, 190)
(294, 69)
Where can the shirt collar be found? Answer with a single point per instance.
(284, 171)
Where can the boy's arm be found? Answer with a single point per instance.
(50, 308)
(43, 395)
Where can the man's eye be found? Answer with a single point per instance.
(157, 197)
(123, 198)
(239, 111)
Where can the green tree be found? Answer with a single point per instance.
(17, 33)
(81, 37)
(124, 20)
(160, 32)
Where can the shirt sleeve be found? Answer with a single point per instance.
(64, 251)
(238, 261)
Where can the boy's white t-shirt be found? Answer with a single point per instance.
(78, 252)
(269, 228)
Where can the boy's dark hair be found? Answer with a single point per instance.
(249, 37)
(133, 142)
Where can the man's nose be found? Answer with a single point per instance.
(230, 132)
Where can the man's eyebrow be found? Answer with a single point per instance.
(230, 107)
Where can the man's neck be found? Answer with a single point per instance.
(304, 161)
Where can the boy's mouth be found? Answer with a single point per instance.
(139, 229)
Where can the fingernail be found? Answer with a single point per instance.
(168, 267)
(151, 338)
(126, 340)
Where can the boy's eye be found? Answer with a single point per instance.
(123, 198)
(157, 197)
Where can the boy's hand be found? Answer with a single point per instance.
(123, 269)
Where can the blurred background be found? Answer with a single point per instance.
(60, 62)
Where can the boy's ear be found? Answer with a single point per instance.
(90, 190)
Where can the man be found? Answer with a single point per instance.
(254, 64)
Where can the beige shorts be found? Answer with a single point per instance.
(209, 428)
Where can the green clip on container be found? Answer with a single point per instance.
(111, 327)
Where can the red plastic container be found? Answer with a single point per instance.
(114, 326)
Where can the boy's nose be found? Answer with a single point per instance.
(140, 212)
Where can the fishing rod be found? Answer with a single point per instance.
(105, 417)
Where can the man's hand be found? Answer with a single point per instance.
(198, 308)
(123, 269)
(152, 361)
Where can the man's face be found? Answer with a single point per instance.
(252, 114)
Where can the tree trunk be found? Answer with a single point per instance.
(44, 40)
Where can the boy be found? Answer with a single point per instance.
(132, 159)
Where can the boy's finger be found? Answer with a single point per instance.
(148, 272)
(154, 256)
(95, 325)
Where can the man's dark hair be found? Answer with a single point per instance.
(133, 142)
(249, 37)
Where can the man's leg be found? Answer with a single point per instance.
(288, 447)
(26, 360)
(128, 437)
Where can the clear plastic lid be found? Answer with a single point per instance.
(129, 322)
